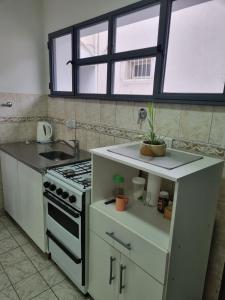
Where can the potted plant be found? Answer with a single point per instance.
(152, 145)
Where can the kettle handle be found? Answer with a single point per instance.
(50, 129)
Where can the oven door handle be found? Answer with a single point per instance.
(61, 205)
(63, 248)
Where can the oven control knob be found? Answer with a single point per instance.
(72, 199)
(52, 187)
(59, 192)
(65, 195)
(46, 184)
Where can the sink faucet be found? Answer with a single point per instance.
(76, 146)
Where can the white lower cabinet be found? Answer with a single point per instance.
(103, 263)
(23, 199)
(113, 275)
(10, 184)
(137, 283)
(31, 201)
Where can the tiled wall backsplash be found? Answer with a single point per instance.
(196, 128)
(102, 123)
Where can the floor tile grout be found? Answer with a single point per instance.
(11, 284)
(38, 271)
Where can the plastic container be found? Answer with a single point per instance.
(153, 189)
(118, 189)
(138, 187)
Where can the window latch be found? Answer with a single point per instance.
(69, 62)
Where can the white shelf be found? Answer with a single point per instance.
(174, 174)
(145, 221)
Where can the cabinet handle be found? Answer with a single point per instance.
(111, 277)
(111, 234)
(122, 286)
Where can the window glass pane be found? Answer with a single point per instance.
(134, 77)
(93, 79)
(195, 60)
(62, 53)
(94, 40)
(137, 30)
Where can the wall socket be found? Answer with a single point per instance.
(72, 124)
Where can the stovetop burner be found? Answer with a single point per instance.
(74, 174)
(69, 173)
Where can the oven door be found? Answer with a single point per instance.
(63, 224)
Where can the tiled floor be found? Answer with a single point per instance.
(26, 273)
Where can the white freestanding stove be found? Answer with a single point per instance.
(67, 198)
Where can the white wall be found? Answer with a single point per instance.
(22, 68)
(60, 14)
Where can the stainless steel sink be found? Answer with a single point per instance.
(56, 155)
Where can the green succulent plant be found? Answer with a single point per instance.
(151, 137)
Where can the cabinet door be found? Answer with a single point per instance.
(103, 265)
(31, 199)
(135, 284)
(10, 184)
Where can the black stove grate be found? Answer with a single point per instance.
(76, 172)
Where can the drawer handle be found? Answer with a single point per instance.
(111, 277)
(122, 286)
(111, 234)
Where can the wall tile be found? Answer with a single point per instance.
(58, 131)
(69, 134)
(41, 107)
(217, 134)
(106, 140)
(9, 132)
(69, 106)
(80, 110)
(56, 108)
(93, 140)
(119, 141)
(167, 120)
(27, 131)
(195, 123)
(125, 115)
(81, 135)
(29, 105)
(108, 113)
(92, 111)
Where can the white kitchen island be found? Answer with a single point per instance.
(137, 254)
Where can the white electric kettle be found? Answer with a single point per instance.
(44, 132)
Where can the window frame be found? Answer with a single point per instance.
(51, 38)
(159, 51)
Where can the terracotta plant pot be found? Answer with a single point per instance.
(152, 150)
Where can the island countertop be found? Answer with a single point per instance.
(29, 154)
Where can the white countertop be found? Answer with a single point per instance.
(174, 174)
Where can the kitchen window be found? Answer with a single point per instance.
(195, 61)
(61, 67)
(165, 51)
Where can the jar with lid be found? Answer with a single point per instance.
(118, 188)
(138, 187)
(163, 201)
